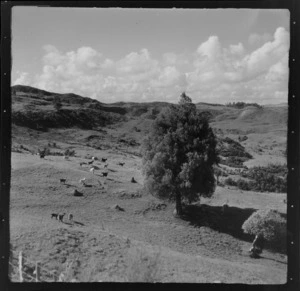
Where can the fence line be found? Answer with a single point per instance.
(25, 276)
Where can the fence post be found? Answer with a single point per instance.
(21, 264)
(37, 271)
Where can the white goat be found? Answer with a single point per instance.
(92, 170)
(82, 181)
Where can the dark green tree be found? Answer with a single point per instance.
(179, 153)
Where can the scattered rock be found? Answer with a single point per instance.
(77, 193)
(133, 180)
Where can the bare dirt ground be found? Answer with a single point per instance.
(143, 242)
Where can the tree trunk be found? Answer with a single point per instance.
(178, 204)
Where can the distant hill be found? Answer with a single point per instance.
(35, 109)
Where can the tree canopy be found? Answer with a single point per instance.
(179, 154)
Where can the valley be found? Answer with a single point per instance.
(144, 241)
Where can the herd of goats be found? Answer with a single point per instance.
(258, 242)
(60, 216)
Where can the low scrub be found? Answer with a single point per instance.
(272, 178)
(271, 224)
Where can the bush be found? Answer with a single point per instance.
(69, 153)
(245, 185)
(271, 225)
(230, 182)
(272, 178)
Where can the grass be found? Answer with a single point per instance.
(159, 247)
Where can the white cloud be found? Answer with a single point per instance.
(214, 73)
(23, 78)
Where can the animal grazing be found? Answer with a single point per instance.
(106, 165)
(90, 162)
(92, 170)
(119, 208)
(61, 217)
(70, 216)
(133, 180)
(104, 174)
(42, 155)
(81, 163)
(54, 215)
(94, 158)
(82, 181)
(62, 180)
(121, 164)
(104, 160)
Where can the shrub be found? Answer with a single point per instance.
(230, 182)
(245, 185)
(272, 178)
(271, 225)
(69, 153)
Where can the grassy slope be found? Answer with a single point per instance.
(210, 248)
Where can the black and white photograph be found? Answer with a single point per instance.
(149, 145)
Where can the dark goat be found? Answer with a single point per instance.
(121, 164)
(62, 180)
(61, 217)
(103, 160)
(104, 174)
(55, 215)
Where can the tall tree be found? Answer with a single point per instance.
(179, 153)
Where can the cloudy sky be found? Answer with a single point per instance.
(115, 54)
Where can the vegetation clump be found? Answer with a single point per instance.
(241, 105)
(272, 178)
(271, 225)
(179, 154)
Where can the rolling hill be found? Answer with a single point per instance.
(144, 242)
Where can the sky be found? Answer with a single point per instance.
(144, 55)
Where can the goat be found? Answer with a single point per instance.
(70, 216)
(104, 174)
(133, 180)
(42, 155)
(104, 160)
(94, 158)
(106, 165)
(55, 215)
(81, 163)
(92, 170)
(66, 157)
(62, 180)
(82, 181)
(91, 162)
(61, 217)
(121, 164)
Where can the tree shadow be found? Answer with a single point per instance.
(229, 222)
(78, 223)
(281, 262)
(73, 222)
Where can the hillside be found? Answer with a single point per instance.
(144, 242)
